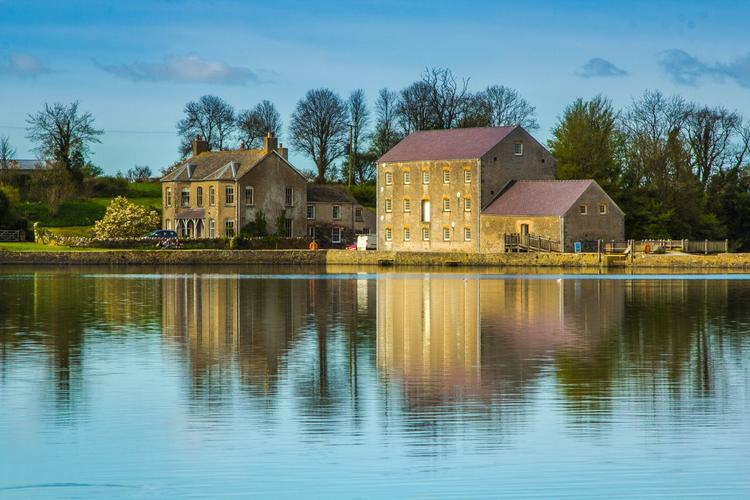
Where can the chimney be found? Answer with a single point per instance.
(270, 143)
(199, 145)
(284, 152)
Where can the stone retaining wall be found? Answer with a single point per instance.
(344, 257)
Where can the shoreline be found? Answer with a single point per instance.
(732, 261)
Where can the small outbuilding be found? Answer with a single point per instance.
(556, 211)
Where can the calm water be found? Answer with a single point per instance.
(238, 383)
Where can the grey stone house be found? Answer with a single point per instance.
(334, 217)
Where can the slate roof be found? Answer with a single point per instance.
(453, 144)
(326, 193)
(217, 165)
(538, 198)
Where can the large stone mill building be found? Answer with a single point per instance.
(434, 189)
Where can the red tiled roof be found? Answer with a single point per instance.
(538, 198)
(453, 144)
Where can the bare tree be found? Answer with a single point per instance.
(414, 108)
(508, 108)
(52, 185)
(254, 124)
(319, 128)
(386, 135)
(7, 152)
(63, 135)
(139, 174)
(476, 112)
(212, 118)
(359, 119)
(710, 135)
(446, 97)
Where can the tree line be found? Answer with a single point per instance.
(678, 169)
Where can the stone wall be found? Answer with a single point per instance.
(494, 227)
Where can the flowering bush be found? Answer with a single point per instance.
(126, 220)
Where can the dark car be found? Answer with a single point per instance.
(162, 234)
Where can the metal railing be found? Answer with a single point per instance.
(659, 246)
(12, 235)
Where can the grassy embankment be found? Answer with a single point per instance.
(77, 217)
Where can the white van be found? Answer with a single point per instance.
(367, 242)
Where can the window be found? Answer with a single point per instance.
(389, 178)
(288, 228)
(467, 234)
(185, 198)
(358, 214)
(336, 212)
(407, 234)
(229, 195)
(249, 195)
(518, 149)
(336, 235)
(425, 234)
(425, 210)
(407, 177)
(407, 205)
(467, 204)
(169, 197)
(602, 209)
(446, 234)
(446, 204)
(388, 205)
(425, 177)
(467, 176)
(289, 196)
(199, 196)
(446, 176)
(311, 231)
(211, 228)
(583, 209)
(310, 212)
(229, 228)
(388, 234)
(212, 196)
(169, 224)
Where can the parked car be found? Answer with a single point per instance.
(162, 234)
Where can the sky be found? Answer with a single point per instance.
(135, 64)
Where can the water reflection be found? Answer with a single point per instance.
(430, 364)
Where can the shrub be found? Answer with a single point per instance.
(9, 218)
(365, 194)
(257, 227)
(12, 193)
(126, 220)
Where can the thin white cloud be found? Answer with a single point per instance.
(184, 69)
(685, 69)
(600, 68)
(22, 65)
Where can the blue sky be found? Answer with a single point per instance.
(135, 64)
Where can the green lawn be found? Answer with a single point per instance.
(83, 212)
(38, 247)
(144, 190)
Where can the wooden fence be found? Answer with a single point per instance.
(531, 242)
(12, 235)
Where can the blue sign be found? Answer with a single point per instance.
(577, 247)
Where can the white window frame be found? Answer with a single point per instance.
(467, 234)
(388, 178)
(426, 209)
(583, 209)
(229, 224)
(467, 204)
(446, 204)
(388, 234)
(446, 176)
(425, 234)
(407, 205)
(335, 235)
(212, 196)
(603, 209)
(211, 228)
(168, 201)
(425, 176)
(407, 177)
(310, 212)
(249, 200)
(407, 234)
(185, 201)
(358, 214)
(517, 149)
(199, 196)
(289, 196)
(446, 234)
(388, 205)
(336, 212)
(467, 176)
(229, 194)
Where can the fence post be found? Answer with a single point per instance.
(726, 246)
(599, 250)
